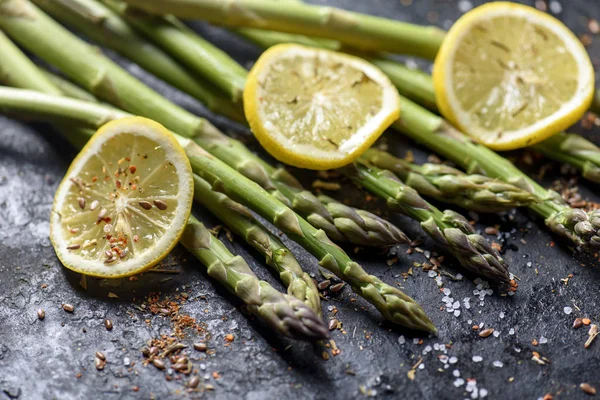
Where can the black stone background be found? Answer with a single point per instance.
(40, 359)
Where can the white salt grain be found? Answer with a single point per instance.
(568, 310)
(477, 359)
(401, 340)
(498, 364)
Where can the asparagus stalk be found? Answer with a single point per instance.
(581, 228)
(100, 76)
(345, 214)
(574, 150)
(166, 31)
(393, 304)
(448, 228)
(285, 314)
(241, 221)
(447, 184)
(100, 24)
(362, 31)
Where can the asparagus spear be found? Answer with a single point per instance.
(582, 228)
(98, 23)
(575, 150)
(283, 313)
(239, 219)
(448, 228)
(338, 209)
(447, 184)
(99, 75)
(359, 30)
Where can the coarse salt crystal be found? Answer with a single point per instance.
(459, 277)
(498, 364)
(483, 393)
(464, 6)
(501, 315)
(432, 274)
(568, 310)
(446, 291)
(416, 340)
(453, 360)
(511, 331)
(477, 359)
(443, 359)
(401, 340)
(456, 373)
(436, 346)
(555, 7)
(456, 304)
(496, 333)
(543, 340)
(459, 382)
(456, 313)
(421, 366)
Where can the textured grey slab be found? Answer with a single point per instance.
(40, 359)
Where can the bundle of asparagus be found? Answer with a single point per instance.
(391, 302)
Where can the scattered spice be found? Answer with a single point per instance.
(68, 308)
(333, 324)
(193, 383)
(592, 333)
(100, 355)
(158, 364)
(200, 347)
(108, 324)
(99, 363)
(486, 332)
(41, 314)
(229, 338)
(588, 389)
(586, 321)
(577, 323)
(337, 287)
(323, 284)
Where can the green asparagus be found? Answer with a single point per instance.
(97, 22)
(448, 228)
(358, 30)
(582, 228)
(285, 314)
(241, 221)
(447, 184)
(97, 74)
(574, 150)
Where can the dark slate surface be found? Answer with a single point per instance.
(41, 359)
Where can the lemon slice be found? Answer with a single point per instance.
(124, 201)
(511, 76)
(317, 109)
